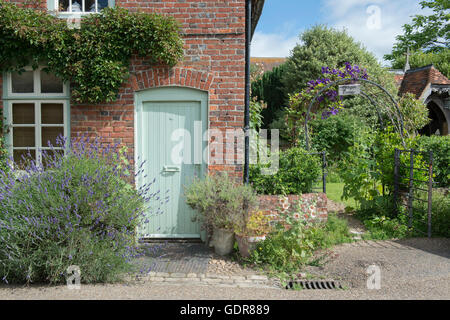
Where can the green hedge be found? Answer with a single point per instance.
(440, 145)
(297, 172)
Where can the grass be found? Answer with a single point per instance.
(335, 191)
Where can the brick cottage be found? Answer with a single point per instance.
(206, 90)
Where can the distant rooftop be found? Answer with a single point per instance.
(417, 80)
(268, 63)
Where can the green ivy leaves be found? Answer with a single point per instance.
(94, 58)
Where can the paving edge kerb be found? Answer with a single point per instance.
(208, 279)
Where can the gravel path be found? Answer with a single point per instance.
(410, 269)
(402, 262)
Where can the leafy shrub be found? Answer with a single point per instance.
(256, 224)
(378, 216)
(335, 134)
(269, 88)
(220, 201)
(385, 228)
(440, 145)
(77, 209)
(440, 215)
(369, 165)
(293, 243)
(415, 113)
(336, 231)
(297, 172)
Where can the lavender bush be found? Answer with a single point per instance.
(78, 209)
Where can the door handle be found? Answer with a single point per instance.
(171, 169)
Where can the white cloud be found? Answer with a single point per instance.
(272, 44)
(362, 24)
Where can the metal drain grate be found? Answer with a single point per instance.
(314, 285)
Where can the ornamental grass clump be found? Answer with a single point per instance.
(78, 209)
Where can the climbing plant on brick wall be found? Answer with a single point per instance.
(94, 57)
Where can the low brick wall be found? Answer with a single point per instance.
(313, 205)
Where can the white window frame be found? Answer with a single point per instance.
(83, 9)
(37, 126)
(36, 86)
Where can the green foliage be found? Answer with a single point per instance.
(429, 33)
(256, 119)
(385, 228)
(381, 223)
(440, 145)
(79, 211)
(269, 88)
(441, 60)
(220, 201)
(336, 231)
(356, 168)
(322, 46)
(415, 113)
(440, 215)
(377, 215)
(293, 243)
(297, 172)
(335, 135)
(94, 58)
(368, 170)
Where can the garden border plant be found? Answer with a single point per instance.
(94, 58)
(77, 209)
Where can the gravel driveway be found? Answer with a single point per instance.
(410, 269)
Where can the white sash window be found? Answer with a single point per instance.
(37, 112)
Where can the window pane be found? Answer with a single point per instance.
(23, 137)
(102, 4)
(77, 6)
(63, 5)
(22, 83)
(50, 83)
(89, 5)
(52, 113)
(23, 113)
(27, 154)
(50, 135)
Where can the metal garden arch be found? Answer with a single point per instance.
(398, 114)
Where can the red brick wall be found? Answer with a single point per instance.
(214, 61)
(313, 205)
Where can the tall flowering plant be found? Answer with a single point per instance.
(328, 103)
(73, 209)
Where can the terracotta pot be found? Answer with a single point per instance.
(248, 244)
(223, 241)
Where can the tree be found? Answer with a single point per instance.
(269, 88)
(327, 47)
(441, 60)
(426, 33)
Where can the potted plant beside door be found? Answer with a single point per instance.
(252, 229)
(219, 201)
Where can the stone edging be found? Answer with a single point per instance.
(208, 279)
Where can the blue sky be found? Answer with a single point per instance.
(374, 23)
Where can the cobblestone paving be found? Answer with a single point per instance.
(208, 279)
(195, 264)
(175, 258)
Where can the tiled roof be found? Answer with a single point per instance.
(416, 80)
(268, 63)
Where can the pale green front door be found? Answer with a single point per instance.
(170, 125)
